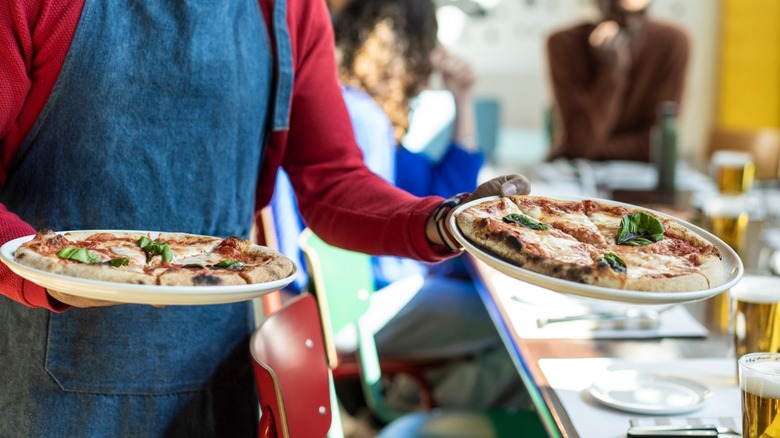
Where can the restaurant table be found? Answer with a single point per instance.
(528, 353)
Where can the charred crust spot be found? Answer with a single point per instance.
(576, 275)
(511, 241)
(206, 280)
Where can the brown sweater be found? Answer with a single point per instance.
(598, 117)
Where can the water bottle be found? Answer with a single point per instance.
(663, 142)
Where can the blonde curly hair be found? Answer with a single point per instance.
(383, 48)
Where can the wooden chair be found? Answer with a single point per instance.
(763, 144)
(343, 284)
(291, 372)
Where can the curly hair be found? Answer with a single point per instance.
(383, 47)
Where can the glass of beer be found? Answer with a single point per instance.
(728, 219)
(756, 303)
(733, 171)
(759, 383)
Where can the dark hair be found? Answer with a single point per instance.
(384, 48)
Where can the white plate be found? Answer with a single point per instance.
(137, 293)
(649, 393)
(732, 265)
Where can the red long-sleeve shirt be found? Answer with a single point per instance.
(339, 197)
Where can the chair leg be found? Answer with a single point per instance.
(336, 428)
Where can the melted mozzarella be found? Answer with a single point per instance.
(653, 265)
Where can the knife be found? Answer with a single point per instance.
(692, 430)
(626, 320)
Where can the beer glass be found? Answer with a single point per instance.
(728, 219)
(756, 318)
(759, 383)
(733, 171)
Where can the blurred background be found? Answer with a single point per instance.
(733, 74)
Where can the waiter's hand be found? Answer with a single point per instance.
(437, 225)
(76, 301)
(505, 185)
(82, 302)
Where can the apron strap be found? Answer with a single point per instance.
(284, 65)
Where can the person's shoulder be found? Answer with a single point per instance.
(577, 32)
(364, 112)
(666, 31)
(360, 103)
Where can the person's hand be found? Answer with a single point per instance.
(76, 301)
(612, 47)
(82, 302)
(437, 226)
(457, 75)
(504, 185)
(459, 79)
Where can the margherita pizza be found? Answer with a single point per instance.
(168, 259)
(594, 243)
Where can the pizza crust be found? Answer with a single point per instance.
(261, 264)
(683, 262)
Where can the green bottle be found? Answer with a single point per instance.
(663, 143)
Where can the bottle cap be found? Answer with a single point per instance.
(667, 108)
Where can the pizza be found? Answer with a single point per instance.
(167, 259)
(594, 243)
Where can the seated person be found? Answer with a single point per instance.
(608, 79)
(434, 311)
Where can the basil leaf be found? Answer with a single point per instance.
(519, 219)
(194, 265)
(614, 261)
(78, 254)
(229, 264)
(639, 229)
(119, 262)
(153, 247)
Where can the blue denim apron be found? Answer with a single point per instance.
(156, 122)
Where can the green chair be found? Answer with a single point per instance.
(343, 283)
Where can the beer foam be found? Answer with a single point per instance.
(757, 289)
(761, 378)
(730, 158)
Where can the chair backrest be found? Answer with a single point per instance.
(343, 283)
(291, 371)
(763, 144)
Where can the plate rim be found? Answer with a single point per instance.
(598, 391)
(600, 292)
(137, 293)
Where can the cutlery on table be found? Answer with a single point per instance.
(624, 319)
(690, 430)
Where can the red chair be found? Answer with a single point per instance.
(291, 372)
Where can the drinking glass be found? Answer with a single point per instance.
(732, 171)
(759, 384)
(756, 318)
